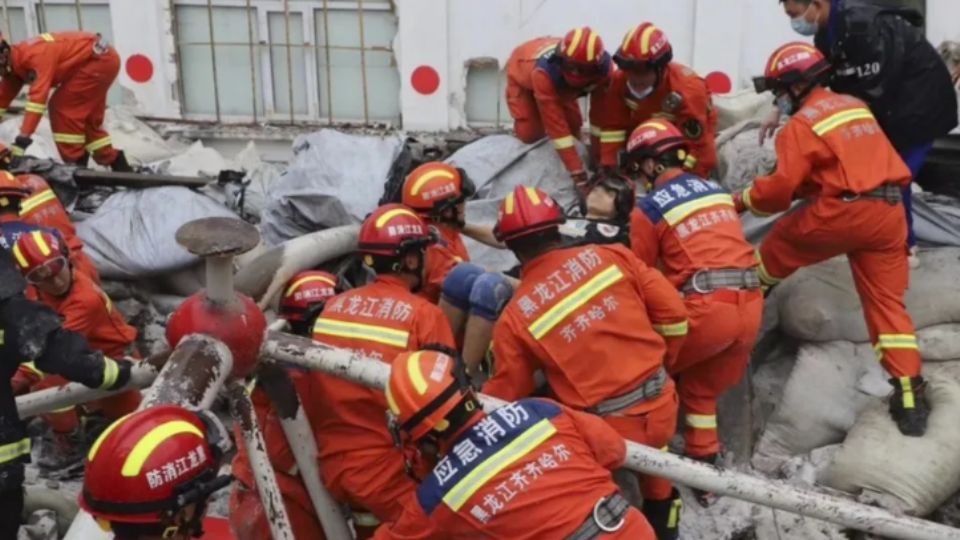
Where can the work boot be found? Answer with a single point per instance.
(706, 498)
(120, 163)
(61, 455)
(664, 516)
(909, 406)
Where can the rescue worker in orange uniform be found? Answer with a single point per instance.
(303, 298)
(648, 85)
(41, 207)
(79, 68)
(688, 227)
(150, 475)
(358, 460)
(528, 470)
(833, 153)
(545, 78)
(601, 326)
(12, 225)
(86, 310)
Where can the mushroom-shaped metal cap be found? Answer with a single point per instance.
(217, 236)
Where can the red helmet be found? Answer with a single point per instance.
(11, 190)
(392, 230)
(434, 187)
(582, 57)
(305, 293)
(652, 139)
(40, 255)
(525, 211)
(645, 46)
(148, 465)
(792, 63)
(424, 388)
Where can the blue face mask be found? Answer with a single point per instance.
(803, 26)
(785, 104)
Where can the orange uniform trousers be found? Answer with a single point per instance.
(527, 121)
(723, 329)
(77, 108)
(653, 428)
(872, 233)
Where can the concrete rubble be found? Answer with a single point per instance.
(809, 401)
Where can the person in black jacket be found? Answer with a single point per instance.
(879, 54)
(31, 332)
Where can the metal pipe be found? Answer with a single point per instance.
(326, 48)
(43, 16)
(68, 395)
(242, 410)
(213, 60)
(76, 4)
(286, 27)
(253, 70)
(219, 279)
(6, 18)
(193, 375)
(363, 64)
(283, 394)
(359, 369)
(88, 177)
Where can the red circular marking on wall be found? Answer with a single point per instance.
(425, 80)
(719, 82)
(139, 68)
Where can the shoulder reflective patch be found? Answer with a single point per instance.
(364, 332)
(573, 301)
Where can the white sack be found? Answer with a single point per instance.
(736, 107)
(911, 474)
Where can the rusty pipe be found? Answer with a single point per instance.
(193, 375)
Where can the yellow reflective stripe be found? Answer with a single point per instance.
(897, 341)
(46, 36)
(595, 131)
(832, 122)
(683, 211)
(645, 38)
(574, 300)
(674, 516)
(69, 138)
(392, 403)
(148, 443)
(34, 107)
(577, 36)
(33, 368)
(107, 302)
(387, 216)
(532, 195)
(762, 273)
(413, 370)
(68, 408)
(748, 202)
(508, 204)
(508, 455)
(701, 421)
(16, 450)
(21, 260)
(592, 46)
(690, 162)
(563, 142)
(99, 144)
(16, 150)
(546, 49)
(613, 136)
(672, 330)
(418, 185)
(906, 385)
(365, 519)
(110, 372)
(29, 204)
(41, 243)
(308, 279)
(368, 332)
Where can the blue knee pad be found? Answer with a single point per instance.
(489, 295)
(458, 284)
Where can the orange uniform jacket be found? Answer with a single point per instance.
(43, 62)
(44, 209)
(831, 146)
(440, 259)
(87, 310)
(526, 71)
(557, 467)
(589, 317)
(682, 98)
(689, 224)
(379, 320)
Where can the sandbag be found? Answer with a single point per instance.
(736, 107)
(334, 179)
(132, 234)
(939, 343)
(819, 303)
(913, 475)
(740, 158)
(829, 385)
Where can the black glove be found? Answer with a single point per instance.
(122, 375)
(20, 145)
